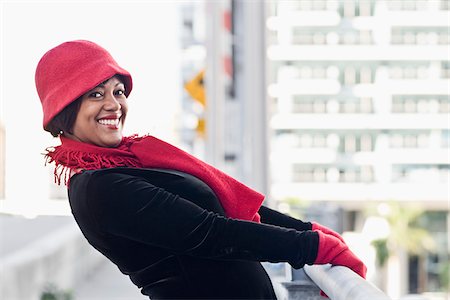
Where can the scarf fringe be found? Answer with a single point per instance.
(67, 162)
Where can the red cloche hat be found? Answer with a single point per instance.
(71, 69)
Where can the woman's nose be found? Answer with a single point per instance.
(112, 103)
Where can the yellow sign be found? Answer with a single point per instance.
(196, 88)
(201, 127)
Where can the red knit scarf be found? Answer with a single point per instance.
(238, 200)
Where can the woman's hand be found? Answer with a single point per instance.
(333, 251)
(324, 229)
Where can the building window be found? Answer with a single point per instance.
(366, 141)
(421, 173)
(322, 105)
(349, 143)
(403, 5)
(316, 140)
(366, 174)
(320, 173)
(348, 9)
(316, 5)
(365, 8)
(425, 36)
(302, 173)
(420, 104)
(409, 140)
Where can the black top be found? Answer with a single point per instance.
(167, 231)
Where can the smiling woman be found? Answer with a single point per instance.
(101, 115)
(86, 117)
(178, 227)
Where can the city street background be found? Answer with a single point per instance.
(336, 110)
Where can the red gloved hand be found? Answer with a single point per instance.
(324, 229)
(331, 250)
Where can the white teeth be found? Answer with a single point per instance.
(114, 122)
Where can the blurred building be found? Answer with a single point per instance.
(229, 130)
(192, 44)
(359, 104)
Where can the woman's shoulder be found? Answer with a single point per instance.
(106, 181)
(157, 177)
(93, 188)
(86, 180)
(151, 174)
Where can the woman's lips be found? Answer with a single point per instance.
(110, 122)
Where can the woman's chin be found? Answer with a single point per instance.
(114, 144)
(112, 141)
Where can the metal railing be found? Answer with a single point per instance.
(341, 283)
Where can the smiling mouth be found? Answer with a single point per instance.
(111, 123)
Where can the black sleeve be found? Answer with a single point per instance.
(130, 207)
(273, 217)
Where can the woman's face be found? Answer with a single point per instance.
(101, 115)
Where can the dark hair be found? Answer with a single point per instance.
(64, 121)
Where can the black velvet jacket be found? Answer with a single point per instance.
(167, 231)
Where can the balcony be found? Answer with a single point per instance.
(325, 156)
(334, 87)
(434, 194)
(358, 52)
(404, 19)
(359, 121)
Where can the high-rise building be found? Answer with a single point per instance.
(359, 104)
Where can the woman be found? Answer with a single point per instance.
(178, 227)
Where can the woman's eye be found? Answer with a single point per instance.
(120, 92)
(95, 95)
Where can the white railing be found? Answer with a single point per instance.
(341, 283)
